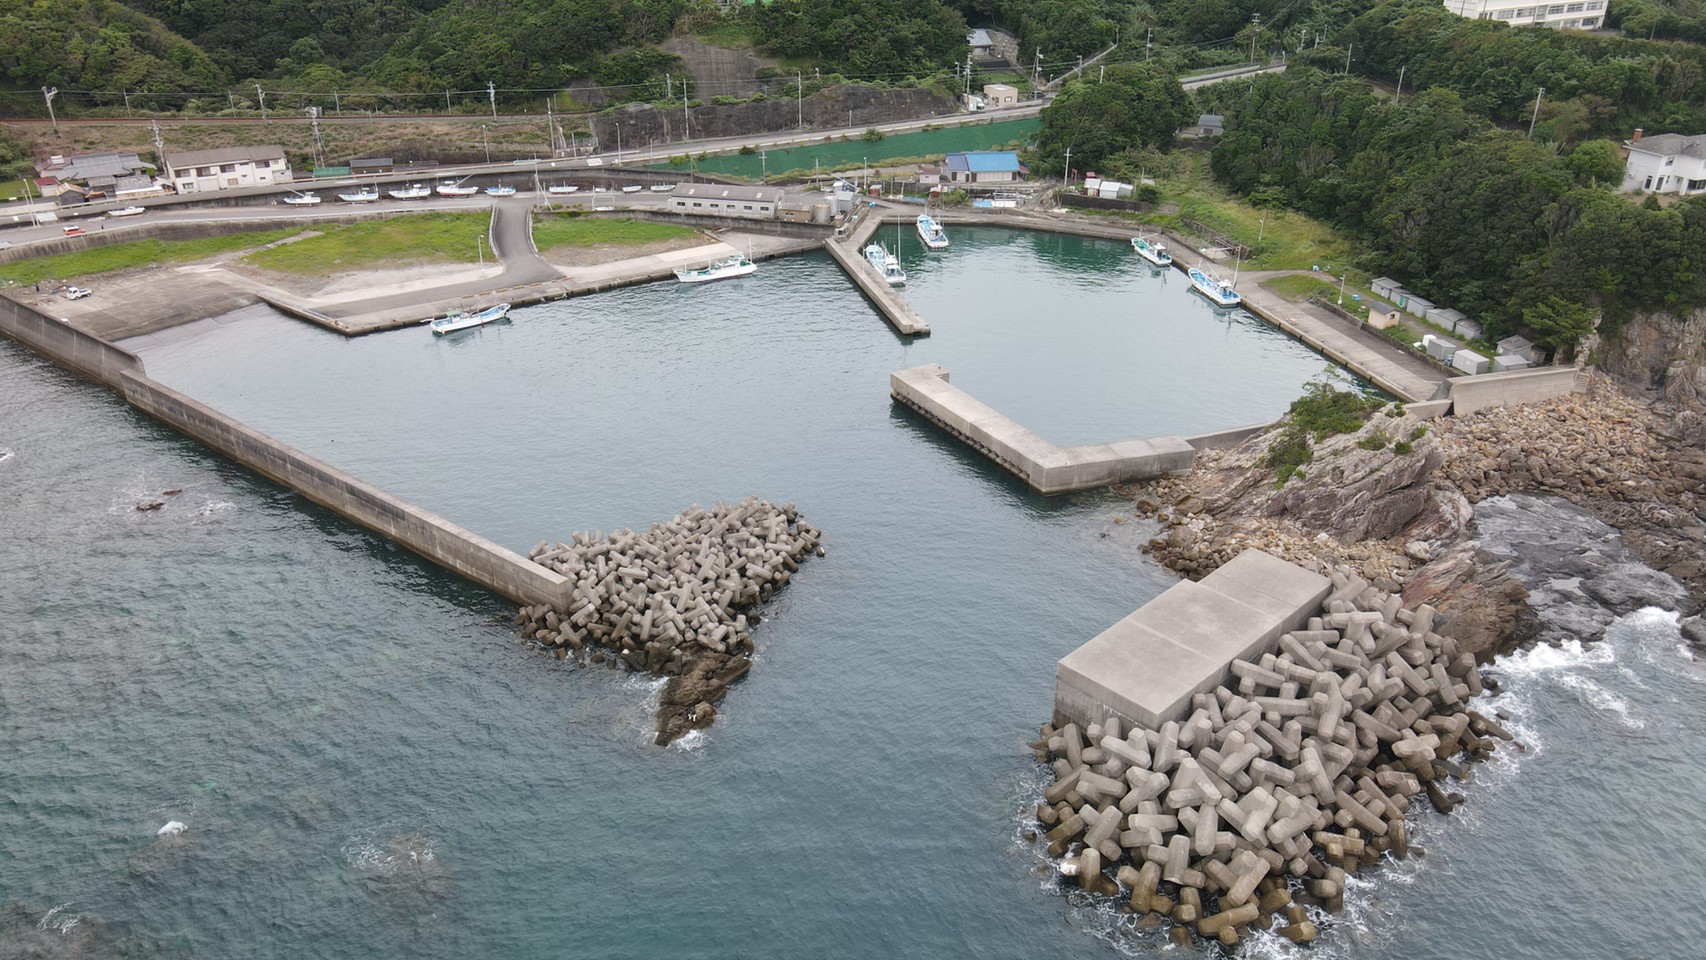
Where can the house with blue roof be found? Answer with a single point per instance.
(983, 166)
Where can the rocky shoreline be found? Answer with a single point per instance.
(677, 601)
(1397, 502)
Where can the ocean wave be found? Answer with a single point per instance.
(59, 920)
(1545, 658)
(6, 454)
(1602, 699)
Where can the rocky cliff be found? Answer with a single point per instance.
(1664, 356)
(643, 125)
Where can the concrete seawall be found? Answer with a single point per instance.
(1145, 668)
(1469, 394)
(849, 253)
(460, 551)
(1048, 469)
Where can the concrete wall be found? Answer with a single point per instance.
(1225, 438)
(1469, 394)
(1048, 469)
(460, 551)
(66, 345)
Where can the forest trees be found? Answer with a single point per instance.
(864, 38)
(1131, 106)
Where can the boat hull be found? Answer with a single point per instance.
(468, 321)
(931, 233)
(718, 271)
(1148, 252)
(1217, 291)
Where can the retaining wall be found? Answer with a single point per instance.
(1469, 394)
(66, 345)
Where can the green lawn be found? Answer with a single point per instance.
(1300, 287)
(394, 241)
(142, 253)
(553, 232)
(11, 189)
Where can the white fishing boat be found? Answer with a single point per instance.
(501, 190)
(931, 232)
(1218, 290)
(126, 212)
(633, 188)
(1152, 250)
(662, 187)
(414, 191)
(561, 189)
(454, 188)
(886, 264)
(724, 269)
(465, 320)
(309, 199)
(361, 195)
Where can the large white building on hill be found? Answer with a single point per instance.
(1575, 15)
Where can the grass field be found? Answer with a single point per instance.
(1299, 287)
(554, 232)
(11, 189)
(123, 256)
(395, 241)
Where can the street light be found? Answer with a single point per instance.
(1342, 291)
(480, 245)
(1261, 225)
(487, 141)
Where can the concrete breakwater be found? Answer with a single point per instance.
(1289, 776)
(676, 601)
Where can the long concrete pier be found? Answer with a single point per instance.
(1145, 668)
(849, 253)
(1047, 468)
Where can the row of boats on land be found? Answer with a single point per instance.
(1216, 289)
(449, 188)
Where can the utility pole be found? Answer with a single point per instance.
(1069, 164)
(799, 99)
(686, 118)
(1255, 28)
(337, 107)
(1100, 73)
(48, 93)
(126, 94)
(1536, 115)
(550, 129)
(1148, 41)
(1348, 48)
(492, 94)
(1302, 39)
(1400, 91)
(159, 143)
(262, 94)
(1037, 69)
(668, 88)
(487, 142)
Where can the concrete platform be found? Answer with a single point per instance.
(1047, 468)
(1146, 667)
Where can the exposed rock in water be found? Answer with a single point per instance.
(1406, 520)
(674, 601)
(55, 934)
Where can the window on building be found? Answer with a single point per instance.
(697, 203)
(1596, 5)
(229, 168)
(1591, 22)
(1504, 14)
(1521, 12)
(1573, 8)
(1669, 161)
(1555, 9)
(1648, 185)
(747, 207)
(1660, 185)
(231, 181)
(1694, 185)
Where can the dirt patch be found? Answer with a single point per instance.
(599, 253)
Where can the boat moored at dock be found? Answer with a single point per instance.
(464, 320)
(931, 232)
(886, 264)
(724, 269)
(1216, 289)
(1152, 250)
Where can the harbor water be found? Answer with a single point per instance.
(370, 763)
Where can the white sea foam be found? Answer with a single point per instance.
(5, 454)
(59, 920)
(1604, 700)
(1544, 658)
(213, 509)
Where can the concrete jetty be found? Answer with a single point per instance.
(1145, 668)
(849, 253)
(1047, 468)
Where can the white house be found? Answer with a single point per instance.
(1667, 163)
(203, 171)
(1577, 15)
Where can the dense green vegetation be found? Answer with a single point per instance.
(894, 38)
(1323, 411)
(1130, 106)
(1472, 216)
(96, 43)
(552, 232)
(394, 241)
(125, 256)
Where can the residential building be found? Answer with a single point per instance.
(1667, 163)
(723, 200)
(370, 167)
(1576, 15)
(228, 168)
(980, 43)
(986, 166)
(998, 95)
(98, 174)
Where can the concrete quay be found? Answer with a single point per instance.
(1145, 668)
(849, 253)
(1048, 469)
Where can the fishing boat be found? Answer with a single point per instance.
(1218, 290)
(464, 320)
(931, 232)
(501, 190)
(1152, 250)
(886, 264)
(633, 188)
(361, 195)
(414, 191)
(662, 187)
(724, 269)
(454, 188)
(302, 199)
(561, 190)
(126, 212)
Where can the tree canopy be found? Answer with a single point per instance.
(865, 38)
(1131, 106)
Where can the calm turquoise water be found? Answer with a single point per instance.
(300, 692)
